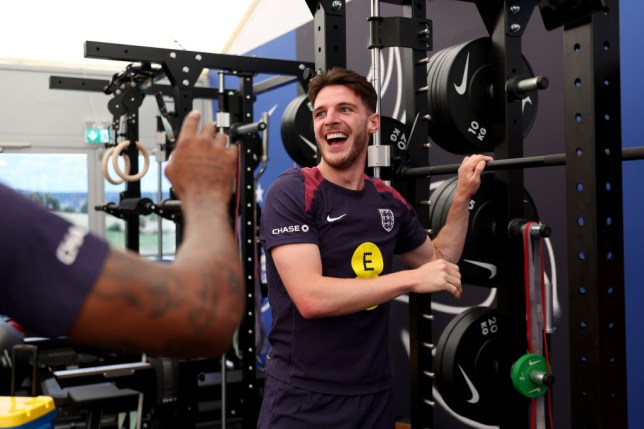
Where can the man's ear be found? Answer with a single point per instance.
(374, 123)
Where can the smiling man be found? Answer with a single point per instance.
(331, 233)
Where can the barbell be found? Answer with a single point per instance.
(559, 159)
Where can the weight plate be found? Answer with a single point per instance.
(478, 265)
(460, 99)
(466, 361)
(441, 199)
(396, 135)
(297, 132)
(439, 111)
(522, 374)
(433, 79)
(442, 86)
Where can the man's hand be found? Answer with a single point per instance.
(469, 174)
(200, 163)
(438, 275)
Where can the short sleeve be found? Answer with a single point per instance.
(284, 219)
(48, 265)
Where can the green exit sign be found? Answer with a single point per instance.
(98, 133)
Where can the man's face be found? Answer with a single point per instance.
(342, 124)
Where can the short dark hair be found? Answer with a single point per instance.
(341, 76)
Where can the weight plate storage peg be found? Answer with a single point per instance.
(461, 94)
(466, 365)
(478, 265)
(530, 376)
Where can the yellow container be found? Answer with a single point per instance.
(22, 412)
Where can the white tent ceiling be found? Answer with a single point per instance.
(52, 33)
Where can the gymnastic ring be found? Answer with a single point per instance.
(108, 153)
(127, 176)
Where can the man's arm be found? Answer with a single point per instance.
(300, 268)
(192, 306)
(433, 263)
(449, 242)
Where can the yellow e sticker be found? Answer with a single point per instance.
(367, 262)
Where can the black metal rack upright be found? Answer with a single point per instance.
(506, 27)
(595, 221)
(182, 69)
(416, 191)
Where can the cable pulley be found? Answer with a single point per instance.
(461, 90)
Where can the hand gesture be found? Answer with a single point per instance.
(438, 275)
(200, 163)
(469, 174)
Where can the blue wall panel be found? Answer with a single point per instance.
(282, 48)
(632, 71)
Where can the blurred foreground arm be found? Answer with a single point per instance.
(192, 306)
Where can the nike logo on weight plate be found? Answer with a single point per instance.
(333, 219)
(460, 89)
(309, 143)
(475, 393)
(489, 267)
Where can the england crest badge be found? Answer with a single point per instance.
(387, 219)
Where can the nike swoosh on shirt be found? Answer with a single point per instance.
(475, 393)
(333, 219)
(490, 267)
(460, 89)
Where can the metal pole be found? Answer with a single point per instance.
(375, 76)
(628, 154)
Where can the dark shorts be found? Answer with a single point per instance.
(288, 407)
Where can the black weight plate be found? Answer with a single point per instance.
(463, 120)
(467, 354)
(438, 198)
(448, 132)
(442, 83)
(441, 127)
(478, 265)
(432, 69)
(433, 98)
(395, 134)
(441, 199)
(445, 123)
(297, 132)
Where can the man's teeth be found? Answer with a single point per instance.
(336, 136)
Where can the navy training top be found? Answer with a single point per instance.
(358, 233)
(47, 265)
